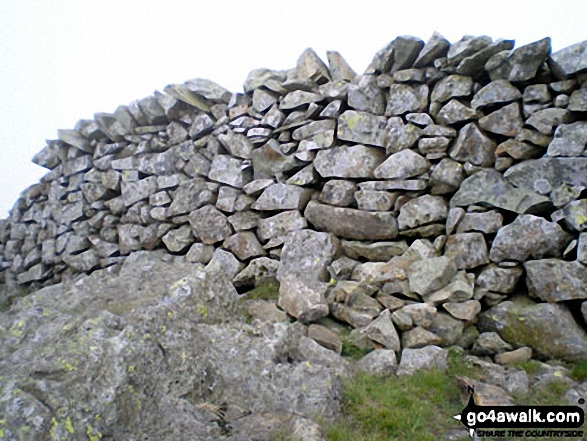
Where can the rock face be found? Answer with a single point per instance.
(439, 194)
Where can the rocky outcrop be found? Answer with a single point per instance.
(437, 199)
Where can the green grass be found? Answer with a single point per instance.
(530, 366)
(579, 371)
(268, 290)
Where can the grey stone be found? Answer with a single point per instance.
(299, 98)
(381, 363)
(132, 192)
(548, 329)
(446, 176)
(351, 223)
(468, 250)
(363, 127)
(474, 146)
(496, 92)
(576, 214)
(436, 47)
(569, 140)
(339, 68)
(374, 252)
(375, 200)
(414, 360)
(200, 253)
(283, 197)
(407, 185)
(453, 86)
(238, 145)
(259, 270)
(419, 338)
(490, 343)
(553, 171)
(522, 64)
(349, 162)
(465, 47)
(570, 60)
(382, 331)
(280, 224)
(310, 66)
(402, 165)
(554, 280)
(489, 222)
(86, 261)
(497, 279)
(366, 96)
(582, 249)
(505, 121)
(422, 210)
(429, 275)
(307, 254)
(244, 245)
(303, 298)
(529, 236)
(190, 196)
(209, 225)
(449, 329)
(473, 64)
(455, 112)
(546, 120)
(514, 357)
(466, 310)
(490, 187)
(406, 99)
(338, 192)
(401, 136)
(578, 100)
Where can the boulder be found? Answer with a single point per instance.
(554, 280)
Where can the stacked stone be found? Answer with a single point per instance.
(410, 198)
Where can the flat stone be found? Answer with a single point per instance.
(230, 171)
(414, 360)
(496, 92)
(473, 146)
(370, 200)
(351, 223)
(474, 64)
(505, 121)
(436, 47)
(429, 275)
(422, 210)
(468, 250)
(466, 311)
(513, 357)
(552, 172)
(419, 338)
(402, 165)
(283, 197)
(209, 225)
(338, 192)
(363, 127)
(374, 252)
(490, 187)
(489, 222)
(554, 280)
(570, 60)
(545, 121)
(299, 98)
(357, 161)
(280, 224)
(407, 185)
(325, 337)
(529, 236)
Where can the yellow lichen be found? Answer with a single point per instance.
(202, 310)
(69, 426)
(131, 368)
(353, 121)
(94, 436)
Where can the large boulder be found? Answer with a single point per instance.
(549, 329)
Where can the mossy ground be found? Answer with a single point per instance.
(266, 290)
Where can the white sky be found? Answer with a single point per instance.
(64, 60)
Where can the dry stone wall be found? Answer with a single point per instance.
(436, 185)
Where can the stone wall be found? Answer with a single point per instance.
(446, 176)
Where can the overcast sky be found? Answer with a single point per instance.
(64, 60)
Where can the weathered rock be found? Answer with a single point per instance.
(490, 187)
(178, 240)
(554, 280)
(283, 197)
(366, 96)
(474, 64)
(381, 363)
(549, 329)
(569, 140)
(468, 250)
(578, 100)
(421, 211)
(299, 98)
(356, 161)
(529, 236)
(437, 46)
(402, 165)
(413, 360)
(453, 86)
(488, 222)
(419, 338)
(200, 253)
(363, 128)
(522, 64)
(303, 298)
(339, 68)
(496, 92)
(280, 224)
(382, 331)
(307, 254)
(373, 252)
(406, 99)
(474, 146)
(502, 280)
(576, 214)
(466, 311)
(209, 225)
(230, 171)
(310, 66)
(513, 357)
(569, 60)
(133, 192)
(544, 174)
(429, 275)
(244, 245)
(490, 343)
(505, 121)
(449, 329)
(351, 223)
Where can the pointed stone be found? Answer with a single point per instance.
(522, 64)
(311, 67)
(570, 60)
(339, 68)
(505, 121)
(402, 165)
(436, 47)
(473, 146)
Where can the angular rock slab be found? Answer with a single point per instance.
(546, 174)
(468, 250)
(283, 197)
(428, 357)
(363, 128)
(570, 60)
(429, 275)
(490, 187)
(549, 329)
(421, 211)
(356, 161)
(554, 280)
(303, 299)
(402, 165)
(529, 236)
(351, 223)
